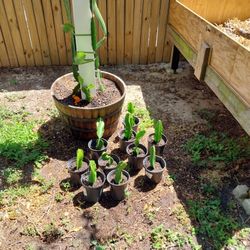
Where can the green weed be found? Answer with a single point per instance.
(51, 232)
(217, 148)
(145, 119)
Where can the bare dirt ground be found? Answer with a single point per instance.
(179, 101)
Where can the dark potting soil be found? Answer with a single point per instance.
(83, 168)
(97, 183)
(104, 163)
(156, 168)
(124, 179)
(140, 154)
(63, 92)
(161, 143)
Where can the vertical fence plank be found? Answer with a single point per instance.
(33, 32)
(7, 36)
(102, 4)
(161, 30)
(120, 10)
(145, 31)
(129, 21)
(67, 36)
(28, 51)
(137, 31)
(167, 43)
(42, 34)
(57, 13)
(154, 21)
(15, 33)
(49, 22)
(112, 32)
(3, 52)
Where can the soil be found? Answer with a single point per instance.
(156, 168)
(185, 106)
(93, 145)
(84, 167)
(160, 143)
(98, 182)
(238, 30)
(63, 92)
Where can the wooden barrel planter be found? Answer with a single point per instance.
(82, 120)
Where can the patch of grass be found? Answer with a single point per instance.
(217, 147)
(51, 232)
(19, 142)
(11, 175)
(213, 225)
(30, 231)
(145, 120)
(163, 238)
(59, 197)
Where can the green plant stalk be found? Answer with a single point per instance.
(100, 131)
(152, 157)
(158, 131)
(79, 158)
(118, 171)
(107, 157)
(131, 108)
(92, 173)
(138, 137)
(129, 123)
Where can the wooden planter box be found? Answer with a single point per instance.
(220, 61)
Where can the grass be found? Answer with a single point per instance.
(212, 224)
(215, 148)
(145, 120)
(163, 238)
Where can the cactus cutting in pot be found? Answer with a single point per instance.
(127, 135)
(99, 145)
(137, 151)
(77, 166)
(154, 166)
(118, 180)
(108, 162)
(93, 182)
(158, 139)
(131, 110)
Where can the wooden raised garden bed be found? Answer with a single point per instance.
(220, 61)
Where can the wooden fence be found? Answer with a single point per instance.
(31, 32)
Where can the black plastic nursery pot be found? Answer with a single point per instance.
(96, 153)
(123, 142)
(104, 164)
(154, 175)
(136, 162)
(75, 174)
(93, 193)
(159, 147)
(137, 122)
(118, 191)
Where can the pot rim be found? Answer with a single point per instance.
(126, 173)
(161, 161)
(90, 187)
(116, 158)
(105, 73)
(164, 137)
(98, 150)
(141, 146)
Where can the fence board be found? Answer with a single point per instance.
(57, 13)
(154, 22)
(112, 32)
(162, 30)
(14, 29)
(42, 34)
(7, 36)
(120, 30)
(50, 27)
(3, 52)
(145, 31)
(31, 32)
(137, 31)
